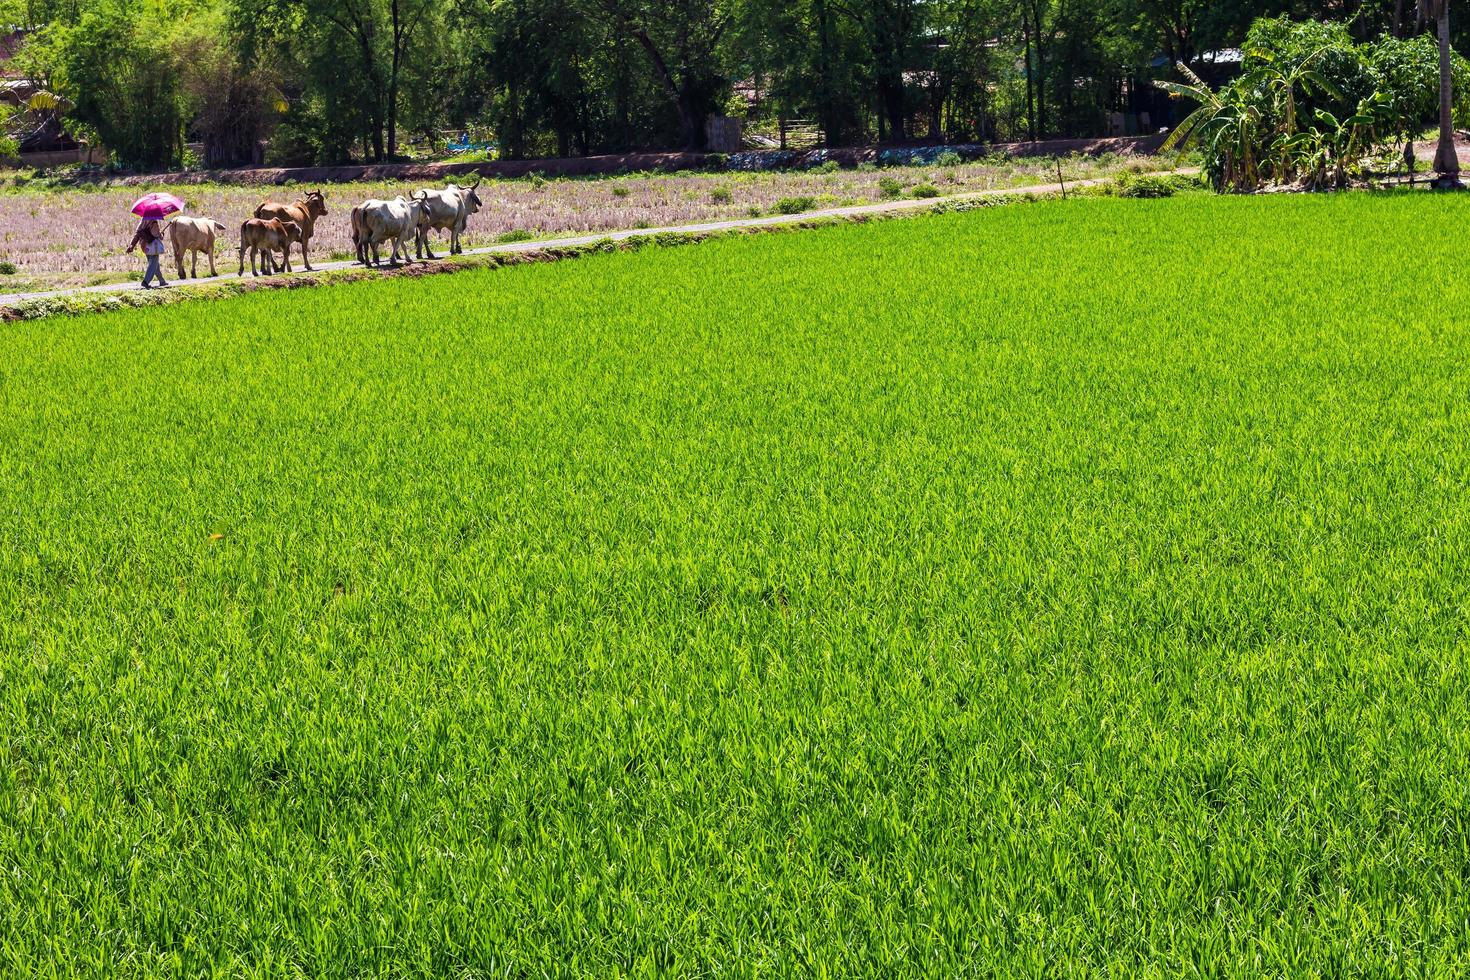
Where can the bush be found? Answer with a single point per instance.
(829, 167)
(721, 195)
(7, 269)
(1310, 106)
(515, 235)
(794, 205)
(949, 158)
(925, 191)
(716, 161)
(620, 190)
(1407, 72)
(890, 187)
(538, 182)
(1284, 45)
(1145, 185)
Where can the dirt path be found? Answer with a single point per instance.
(854, 211)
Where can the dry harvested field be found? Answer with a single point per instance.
(57, 237)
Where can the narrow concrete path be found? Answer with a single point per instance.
(854, 211)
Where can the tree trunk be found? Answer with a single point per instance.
(393, 117)
(1030, 80)
(690, 119)
(1447, 158)
(827, 110)
(890, 95)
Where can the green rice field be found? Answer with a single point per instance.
(1064, 589)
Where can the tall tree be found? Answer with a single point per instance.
(1446, 157)
(379, 33)
(682, 40)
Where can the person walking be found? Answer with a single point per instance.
(152, 208)
(149, 237)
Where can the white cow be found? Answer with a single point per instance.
(449, 210)
(374, 222)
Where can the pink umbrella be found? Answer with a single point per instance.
(157, 205)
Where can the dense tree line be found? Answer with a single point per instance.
(330, 80)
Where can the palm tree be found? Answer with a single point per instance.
(1447, 158)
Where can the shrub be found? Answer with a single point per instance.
(717, 161)
(538, 182)
(7, 269)
(515, 235)
(1407, 71)
(829, 167)
(890, 187)
(1310, 105)
(949, 158)
(721, 195)
(794, 205)
(753, 211)
(620, 190)
(1145, 186)
(925, 190)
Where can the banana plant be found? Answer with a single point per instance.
(1226, 125)
(1326, 154)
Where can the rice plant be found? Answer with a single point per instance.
(1075, 588)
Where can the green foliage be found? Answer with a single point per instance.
(948, 159)
(890, 187)
(1148, 185)
(794, 205)
(7, 269)
(1408, 72)
(1310, 107)
(516, 235)
(120, 74)
(1051, 609)
(364, 79)
(924, 191)
(721, 195)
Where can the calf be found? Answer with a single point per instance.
(267, 237)
(194, 235)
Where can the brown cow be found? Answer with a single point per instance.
(194, 235)
(304, 213)
(267, 238)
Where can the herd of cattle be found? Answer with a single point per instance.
(277, 227)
